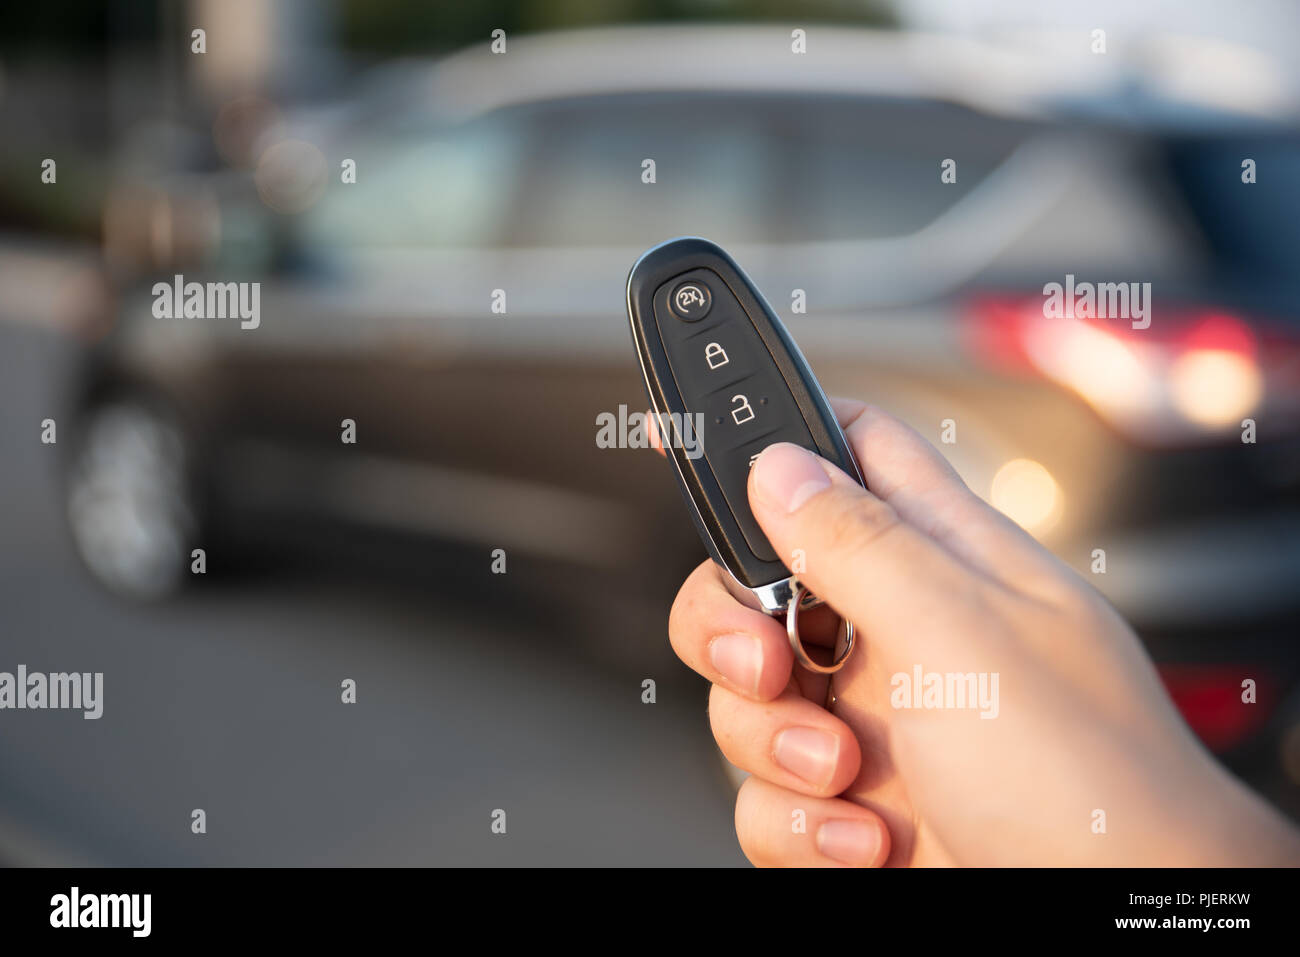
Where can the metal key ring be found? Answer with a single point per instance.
(792, 629)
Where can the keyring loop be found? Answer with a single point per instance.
(792, 629)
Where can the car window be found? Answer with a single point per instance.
(862, 168)
(585, 183)
(748, 168)
(448, 188)
(734, 167)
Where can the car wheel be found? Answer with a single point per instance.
(130, 501)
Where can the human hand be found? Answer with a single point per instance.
(934, 578)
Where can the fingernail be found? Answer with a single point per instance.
(807, 752)
(786, 476)
(849, 842)
(739, 659)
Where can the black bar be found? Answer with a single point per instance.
(861, 909)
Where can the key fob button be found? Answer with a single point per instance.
(691, 300)
(737, 415)
(746, 411)
(732, 469)
(714, 359)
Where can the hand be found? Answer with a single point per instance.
(1074, 755)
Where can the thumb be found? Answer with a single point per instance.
(849, 547)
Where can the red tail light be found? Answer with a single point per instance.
(1192, 375)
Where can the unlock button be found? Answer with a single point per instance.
(734, 416)
(741, 410)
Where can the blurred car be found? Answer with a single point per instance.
(462, 303)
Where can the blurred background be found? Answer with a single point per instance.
(522, 171)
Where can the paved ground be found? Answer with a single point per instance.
(228, 700)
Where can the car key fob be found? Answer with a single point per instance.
(726, 381)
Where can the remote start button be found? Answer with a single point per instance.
(692, 300)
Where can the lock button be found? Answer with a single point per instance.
(711, 359)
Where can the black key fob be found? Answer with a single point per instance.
(725, 381)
